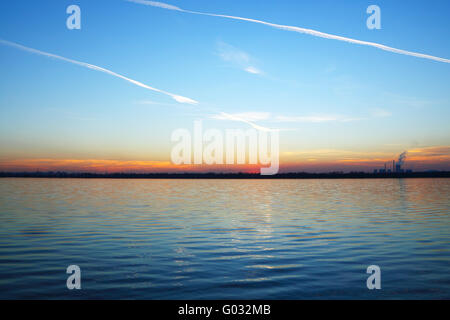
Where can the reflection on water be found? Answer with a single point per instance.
(220, 239)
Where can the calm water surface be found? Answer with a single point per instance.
(220, 239)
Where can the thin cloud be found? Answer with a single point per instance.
(89, 165)
(176, 97)
(234, 117)
(236, 57)
(154, 103)
(338, 154)
(298, 30)
(380, 113)
(252, 70)
(435, 151)
(315, 119)
(249, 116)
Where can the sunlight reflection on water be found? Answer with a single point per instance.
(220, 239)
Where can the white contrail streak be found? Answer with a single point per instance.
(296, 29)
(255, 126)
(177, 98)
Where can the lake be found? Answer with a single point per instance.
(224, 239)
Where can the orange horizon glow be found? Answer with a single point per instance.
(437, 158)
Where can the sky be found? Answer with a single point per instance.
(134, 73)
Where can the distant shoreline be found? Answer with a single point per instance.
(292, 175)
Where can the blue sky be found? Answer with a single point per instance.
(372, 103)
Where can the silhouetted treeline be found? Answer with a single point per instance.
(291, 175)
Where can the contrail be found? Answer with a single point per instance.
(296, 29)
(255, 126)
(177, 98)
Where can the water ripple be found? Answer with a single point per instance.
(224, 239)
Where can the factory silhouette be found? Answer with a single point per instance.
(394, 167)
